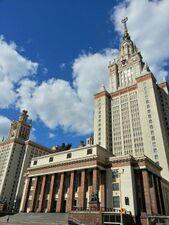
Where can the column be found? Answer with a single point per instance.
(89, 184)
(35, 182)
(70, 193)
(161, 196)
(25, 195)
(95, 180)
(41, 197)
(146, 191)
(50, 201)
(60, 194)
(153, 196)
(103, 189)
(82, 192)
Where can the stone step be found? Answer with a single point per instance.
(36, 219)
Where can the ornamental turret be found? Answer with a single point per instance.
(21, 129)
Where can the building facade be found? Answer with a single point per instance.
(127, 166)
(65, 181)
(16, 153)
(133, 116)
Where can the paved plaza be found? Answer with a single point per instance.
(36, 219)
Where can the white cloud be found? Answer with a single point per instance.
(32, 134)
(13, 67)
(51, 135)
(7, 93)
(62, 65)
(148, 27)
(57, 103)
(45, 70)
(4, 126)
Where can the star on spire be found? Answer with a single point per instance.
(126, 35)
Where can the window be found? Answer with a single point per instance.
(89, 151)
(35, 162)
(115, 186)
(50, 159)
(115, 174)
(75, 203)
(153, 138)
(126, 200)
(69, 155)
(116, 201)
(156, 157)
(155, 150)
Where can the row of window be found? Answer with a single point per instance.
(68, 156)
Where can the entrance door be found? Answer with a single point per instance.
(64, 206)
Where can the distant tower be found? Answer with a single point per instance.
(16, 153)
(21, 129)
(89, 140)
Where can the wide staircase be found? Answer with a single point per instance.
(36, 219)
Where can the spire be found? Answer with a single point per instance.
(23, 116)
(145, 69)
(126, 35)
(102, 88)
(127, 48)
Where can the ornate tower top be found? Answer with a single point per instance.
(127, 48)
(21, 129)
(129, 64)
(23, 117)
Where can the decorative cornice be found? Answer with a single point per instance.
(96, 160)
(9, 141)
(145, 77)
(164, 85)
(124, 90)
(101, 94)
(43, 148)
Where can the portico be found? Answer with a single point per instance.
(65, 185)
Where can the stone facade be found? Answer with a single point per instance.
(16, 152)
(132, 117)
(64, 186)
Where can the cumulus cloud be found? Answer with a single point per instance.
(148, 27)
(13, 67)
(57, 103)
(51, 135)
(4, 126)
(32, 134)
(7, 93)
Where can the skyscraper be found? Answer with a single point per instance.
(133, 116)
(16, 153)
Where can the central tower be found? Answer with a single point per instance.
(131, 118)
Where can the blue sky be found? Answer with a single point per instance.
(62, 49)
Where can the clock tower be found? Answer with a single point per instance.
(128, 66)
(21, 129)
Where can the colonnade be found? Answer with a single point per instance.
(153, 198)
(61, 192)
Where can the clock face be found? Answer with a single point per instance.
(124, 61)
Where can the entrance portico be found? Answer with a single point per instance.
(65, 185)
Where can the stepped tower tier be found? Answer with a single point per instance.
(128, 66)
(21, 129)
